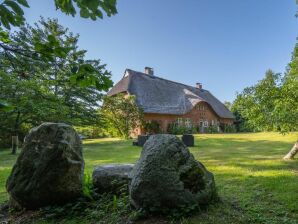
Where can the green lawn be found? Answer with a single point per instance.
(254, 183)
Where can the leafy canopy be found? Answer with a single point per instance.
(271, 104)
(12, 14)
(41, 90)
(121, 114)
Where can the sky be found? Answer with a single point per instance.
(225, 44)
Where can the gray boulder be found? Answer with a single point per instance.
(168, 177)
(49, 169)
(112, 178)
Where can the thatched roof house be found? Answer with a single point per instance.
(165, 101)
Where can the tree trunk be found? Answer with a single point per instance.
(292, 152)
(15, 137)
(15, 143)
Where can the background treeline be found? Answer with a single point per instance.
(271, 104)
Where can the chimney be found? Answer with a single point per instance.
(199, 85)
(149, 71)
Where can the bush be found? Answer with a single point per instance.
(212, 129)
(176, 129)
(91, 131)
(152, 127)
(229, 128)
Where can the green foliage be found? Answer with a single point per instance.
(286, 106)
(228, 105)
(240, 123)
(212, 129)
(256, 104)
(92, 9)
(87, 186)
(271, 104)
(41, 89)
(4, 36)
(229, 128)
(12, 14)
(48, 46)
(106, 208)
(176, 129)
(5, 107)
(121, 114)
(152, 127)
(93, 131)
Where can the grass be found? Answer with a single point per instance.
(254, 183)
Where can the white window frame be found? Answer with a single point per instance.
(188, 122)
(180, 121)
(201, 123)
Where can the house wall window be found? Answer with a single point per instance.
(201, 123)
(180, 121)
(188, 122)
(201, 107)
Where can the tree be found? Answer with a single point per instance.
(228, 104)
(256, 104)
(42, 90)
(29, 103)
(286, 110)
(121, 113)
(240, 122)
(272, 104)
(12, 14)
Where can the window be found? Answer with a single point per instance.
(201, 107)
(179, 121)
(188, 122)
(205, 123)
(201, 123)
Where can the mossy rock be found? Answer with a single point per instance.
(49, 169)
(168, 177)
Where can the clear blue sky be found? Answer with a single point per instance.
(225, 44)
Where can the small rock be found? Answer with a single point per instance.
(112, 178)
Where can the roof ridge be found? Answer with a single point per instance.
(154, 76)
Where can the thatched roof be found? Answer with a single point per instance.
(158, 95)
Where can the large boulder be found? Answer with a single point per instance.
(49, 169)
(168, 177)
(112, 178)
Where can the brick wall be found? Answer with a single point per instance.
(202, 112)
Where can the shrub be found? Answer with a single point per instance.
(175, 129)
(91, 131)
(152, 127)
(121, 114)
(229, 128)
(212, 129)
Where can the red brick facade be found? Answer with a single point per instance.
(202, 115)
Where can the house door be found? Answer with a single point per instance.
(201, 127)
